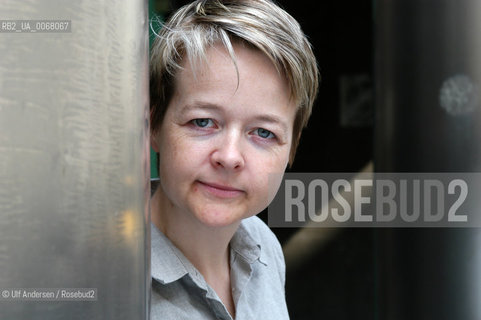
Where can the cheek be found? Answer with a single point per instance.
(268, 174)
(170, 157)
(275, 162)
(179, 157)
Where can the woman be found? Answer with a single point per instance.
(232, 86)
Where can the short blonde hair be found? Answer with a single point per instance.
(260, 23)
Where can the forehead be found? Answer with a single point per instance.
(244, 71)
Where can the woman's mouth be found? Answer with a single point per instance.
(220, 190)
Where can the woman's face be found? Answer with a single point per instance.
(224, 144)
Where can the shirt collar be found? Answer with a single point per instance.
(247, 245)
(166, 260)
(168, 264)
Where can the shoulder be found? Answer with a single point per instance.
(267, 282)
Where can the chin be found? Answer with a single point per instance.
(220, 217)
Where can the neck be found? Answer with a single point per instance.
(206, 247)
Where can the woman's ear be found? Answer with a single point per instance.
(153, 142)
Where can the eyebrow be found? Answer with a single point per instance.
(269, 118)
(274, 120)
(200, 105)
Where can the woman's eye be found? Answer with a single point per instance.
(203, 123)
(263, 133)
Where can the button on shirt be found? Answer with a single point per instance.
(179, 291)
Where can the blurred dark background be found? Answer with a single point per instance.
(338, 281)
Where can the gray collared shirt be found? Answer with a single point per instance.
(179, 291)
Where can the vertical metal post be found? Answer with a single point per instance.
(428, 119)
(74, 158)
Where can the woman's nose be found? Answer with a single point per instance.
(228, 154)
